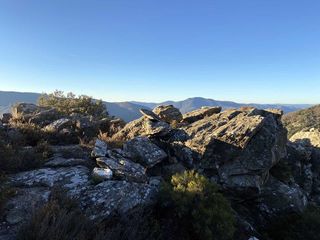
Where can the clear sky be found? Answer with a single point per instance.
(264, 51)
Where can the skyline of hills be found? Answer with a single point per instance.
(129, 110)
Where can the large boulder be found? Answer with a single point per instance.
(24, 111)
(44, 116)
(168, 113)
(124, 169)
(239, 145)
(199, 114)
(142, 150)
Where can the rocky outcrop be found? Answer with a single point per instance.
(240, 145)
(239, 149)
(168, 113)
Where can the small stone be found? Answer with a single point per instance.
(100, 149)
(102, 174)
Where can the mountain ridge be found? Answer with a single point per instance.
(129, 110)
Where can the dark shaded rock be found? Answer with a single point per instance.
(169, 170)
(70, 151)
(142, 150)
(22, 205)
(6, 117)
(183, 153)
(66, 162)
(124, 169)
(277, 198)
(177, 135)
(168, 113)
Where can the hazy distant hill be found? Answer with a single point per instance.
(306, 118)
(197, 102)
(130, 110)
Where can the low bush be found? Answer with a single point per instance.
(196, 208)
(59, 219)
(15, 159)
(296, 226)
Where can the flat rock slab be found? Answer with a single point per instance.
(68, 177)
(66, 162)
(149, 114)
(109, 197)
(124, 169)
(199, 114)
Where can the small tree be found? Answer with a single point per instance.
(70, 103)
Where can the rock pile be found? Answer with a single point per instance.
(238, 149)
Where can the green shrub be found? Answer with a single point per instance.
(16, 158)
(201, 212)
(70, 103)
(296, 226)
(28, 134)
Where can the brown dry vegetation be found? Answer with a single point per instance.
(304, 119)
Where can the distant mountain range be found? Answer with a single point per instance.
(129, 111)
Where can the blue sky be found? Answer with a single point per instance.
(264, 51)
